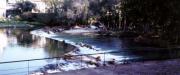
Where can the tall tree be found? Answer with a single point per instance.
(157, 16)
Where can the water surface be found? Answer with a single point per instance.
(19, 44)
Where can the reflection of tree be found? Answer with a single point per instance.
(53, 48)
(24, 38)
(57, 49)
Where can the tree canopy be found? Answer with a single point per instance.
(25, 6)
(157, 16)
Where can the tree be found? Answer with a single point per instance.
(159, 17)
(53, 5)
(19, 8)
(74, 11)
(25, 6)
(79, 11)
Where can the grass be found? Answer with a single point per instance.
(19, 23)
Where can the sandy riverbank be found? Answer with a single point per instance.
(165, 67)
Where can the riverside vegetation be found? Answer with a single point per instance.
(154, 22)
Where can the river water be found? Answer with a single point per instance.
(19, 44)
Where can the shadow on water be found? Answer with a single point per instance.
(55, 48)
(52, 48)
(126, 47)
(19, 44)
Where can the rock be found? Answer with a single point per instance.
(88, 46)
(93, 63)
(93, 27)
(77, 27)
(67, 56)
(98, 58)
(111, 62)
(51, 67)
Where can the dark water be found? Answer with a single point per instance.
(126, 46)
(19, 44)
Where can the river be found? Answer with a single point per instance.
(19, 44)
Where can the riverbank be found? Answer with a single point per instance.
(16, 26)
(165, 67)
(19, 24)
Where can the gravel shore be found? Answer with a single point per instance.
(165, 67)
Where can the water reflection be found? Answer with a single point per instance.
(19, 44)
(3, 42)
(57, 49)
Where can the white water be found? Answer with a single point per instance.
(74, 65)
(83, 50)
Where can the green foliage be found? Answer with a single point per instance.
(158, 16)
(79, 11)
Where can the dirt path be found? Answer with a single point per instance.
(166, 67)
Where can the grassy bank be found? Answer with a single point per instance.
(15, 23)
